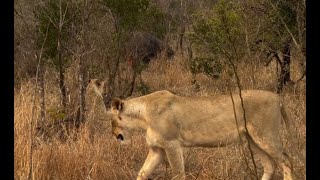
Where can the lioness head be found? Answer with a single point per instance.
(120, 128)
(100, 87)
(122, 122)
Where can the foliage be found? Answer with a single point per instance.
(154, 21)
(276, 16)
(143, 88)
(220, 35)
(220, 32)
(138, 15)
(128, 13)
(53, 24)
(55, 114)
(209, 66)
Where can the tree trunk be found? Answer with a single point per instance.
(114, 68)
(61, 78)
(181, 41)
(182, 27)
(42, 96)
(113, 73)
(82, 89)
(253, 63)
(132, 84)
(284, 77)
(61, 68)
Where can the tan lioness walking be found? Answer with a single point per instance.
(172, 122)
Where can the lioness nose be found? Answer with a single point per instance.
(120, 137)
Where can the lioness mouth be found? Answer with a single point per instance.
(120, 137)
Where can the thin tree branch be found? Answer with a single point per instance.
(285, 25)
(30, 177)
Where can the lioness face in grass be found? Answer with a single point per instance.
(171, 122)
(101, 89)
(121, 128)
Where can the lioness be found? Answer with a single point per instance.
(172, 122)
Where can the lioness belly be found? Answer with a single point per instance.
(210, 138)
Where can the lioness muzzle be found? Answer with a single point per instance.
(120, 137)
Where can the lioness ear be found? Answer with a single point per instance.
(97, 82)
(92, 81)
(116, 104)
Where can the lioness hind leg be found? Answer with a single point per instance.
(283, 159)
(275, 150)
(266, 161)
(154, 158)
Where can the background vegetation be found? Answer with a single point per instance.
(61, 130)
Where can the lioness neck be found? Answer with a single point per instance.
(135, 110)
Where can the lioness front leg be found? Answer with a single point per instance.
(154, 158)
(174, 153)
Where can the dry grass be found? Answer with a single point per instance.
(94, 154)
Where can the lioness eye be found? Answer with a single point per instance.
(120, 118)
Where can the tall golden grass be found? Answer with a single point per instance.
(94, 154)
